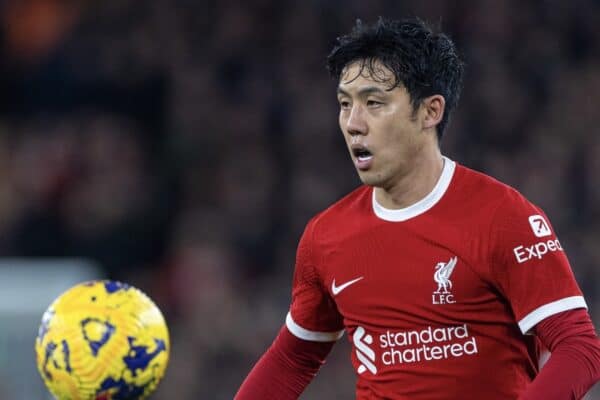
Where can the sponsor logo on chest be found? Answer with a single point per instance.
(430, 343)
(375, 350)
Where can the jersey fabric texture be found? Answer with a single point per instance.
(434, 295)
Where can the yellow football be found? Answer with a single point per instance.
(102, 340)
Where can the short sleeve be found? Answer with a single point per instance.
(313, 314)
(529, 264)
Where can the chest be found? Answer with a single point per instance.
(407, 278)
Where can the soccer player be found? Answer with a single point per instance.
(448, 283)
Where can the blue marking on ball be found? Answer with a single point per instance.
(138, 357)
(96, 345)
(113, 286)
(66, 355)
(50, 347)
(124, 390)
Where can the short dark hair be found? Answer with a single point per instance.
(424, 62)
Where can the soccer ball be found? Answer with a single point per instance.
(102, 340)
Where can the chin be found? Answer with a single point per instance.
(370, 179)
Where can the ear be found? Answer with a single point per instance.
(433, 108)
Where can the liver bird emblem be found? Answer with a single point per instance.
(442, 275)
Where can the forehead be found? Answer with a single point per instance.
(367, 72)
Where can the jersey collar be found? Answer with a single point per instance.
(403, 214)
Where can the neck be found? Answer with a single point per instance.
(418, 181)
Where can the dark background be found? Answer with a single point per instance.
(184, 144)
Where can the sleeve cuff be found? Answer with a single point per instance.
(547, 310)
(313, 336)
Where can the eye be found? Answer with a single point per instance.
(373, 103)
(344, 104)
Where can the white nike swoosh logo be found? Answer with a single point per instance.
(337, 289)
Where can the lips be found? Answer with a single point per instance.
(363, 158)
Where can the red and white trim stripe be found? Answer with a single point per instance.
(313, 336)
(547, 310)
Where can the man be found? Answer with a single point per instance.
(448, 283)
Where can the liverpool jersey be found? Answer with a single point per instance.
(437, 299)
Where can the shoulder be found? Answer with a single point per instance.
(505, 213)
(484, 206)
(346, 210)
(486, 190)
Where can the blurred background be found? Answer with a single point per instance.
(182, 145)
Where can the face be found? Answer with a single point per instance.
(383, 133)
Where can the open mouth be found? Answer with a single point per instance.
(362, 154)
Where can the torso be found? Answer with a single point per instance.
(418, 296)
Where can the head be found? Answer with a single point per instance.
(398, 83)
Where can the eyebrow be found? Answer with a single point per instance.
(366, 90)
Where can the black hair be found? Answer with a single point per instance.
(424, 62)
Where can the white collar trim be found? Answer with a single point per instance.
(403, 214)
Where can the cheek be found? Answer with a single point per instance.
(394, 136)
(397, 145)
(401, 133)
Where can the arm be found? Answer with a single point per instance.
(574, 365)
(312, 325)
(285, 370)
(533, 273)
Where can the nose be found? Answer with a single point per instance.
(356, 123)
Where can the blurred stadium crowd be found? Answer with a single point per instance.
(184, 145)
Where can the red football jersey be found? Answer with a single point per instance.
(437, 298)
